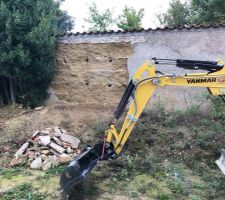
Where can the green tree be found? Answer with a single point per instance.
(208, 11)
(177, 14)
(193, 12)
(28, 30)
(64, 22)
(99, 21)
(130, 19)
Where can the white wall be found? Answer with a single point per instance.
(199, 44)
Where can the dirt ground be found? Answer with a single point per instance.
(170, 156)
(17, 124)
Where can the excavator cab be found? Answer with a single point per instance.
(138, 92)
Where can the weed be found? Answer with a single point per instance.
(203, 140)
(218, 108)
(23, 191)
(134, 194)
(55, 170)
(163, 196)
(199, 186)
(123, 175)
(66, 123)
(52, 171)
(12, 172)
(100, 128)
(194, 197)
(176, 187)
(143, 189)
(160, 175)
(174, 119)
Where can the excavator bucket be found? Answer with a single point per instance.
(77, 170)
(221, 161)
(80, 167)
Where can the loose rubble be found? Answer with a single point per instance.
(47, 148)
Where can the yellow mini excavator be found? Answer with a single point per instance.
(138, 92)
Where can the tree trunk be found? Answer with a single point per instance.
(5, 90)
(1, 100)
(12, 95)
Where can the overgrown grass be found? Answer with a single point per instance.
(23, 191)
(171, 147)
(9, 173)
(53, 172)
(169, 156)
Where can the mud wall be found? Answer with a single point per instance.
(93, 68)
(91, 73)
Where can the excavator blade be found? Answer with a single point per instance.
(221, 161)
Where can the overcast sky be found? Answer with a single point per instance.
(79, 10)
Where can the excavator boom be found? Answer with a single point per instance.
(138, 93)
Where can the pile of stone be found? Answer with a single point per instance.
(47, 148)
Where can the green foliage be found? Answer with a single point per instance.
(23, 191)
(64, 22)
(194, 197)
(130, 19)
(55, 171)
(10, 173)
(193, 12)
(218, 107)
(176, 187)
(208, 11)
(177, 14)
(52, 172)
(99, 21)
(28, 31)
(163, 196)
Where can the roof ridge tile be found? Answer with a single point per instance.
(148, 29)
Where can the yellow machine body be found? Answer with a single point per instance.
(147, 81)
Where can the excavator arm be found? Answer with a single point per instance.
(140, 89)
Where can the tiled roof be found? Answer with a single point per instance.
(149, 29)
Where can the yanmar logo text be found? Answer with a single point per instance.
(201, 80)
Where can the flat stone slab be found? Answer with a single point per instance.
(44, 140)
(71, 140)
